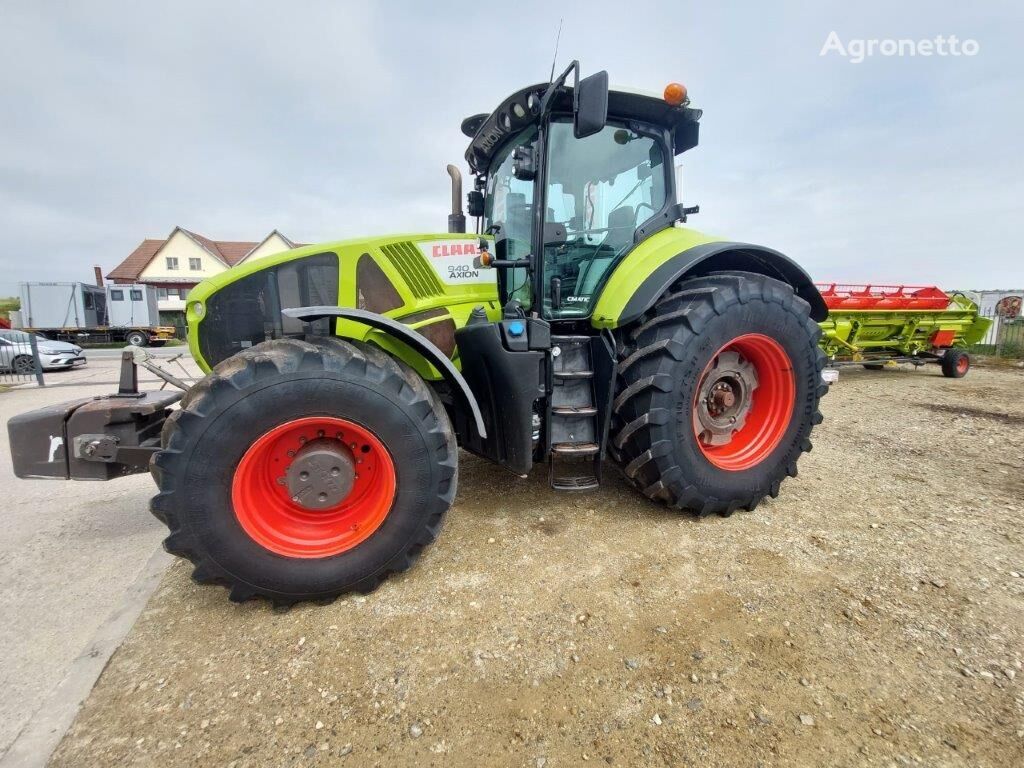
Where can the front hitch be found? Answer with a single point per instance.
(93, 438)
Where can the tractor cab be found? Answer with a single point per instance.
(568, 180)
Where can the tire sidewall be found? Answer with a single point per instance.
(208, 513)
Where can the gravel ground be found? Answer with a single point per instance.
(872, 615)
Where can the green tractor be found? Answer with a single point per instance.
(581, 321)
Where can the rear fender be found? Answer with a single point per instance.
(651, 268)
(416, 341)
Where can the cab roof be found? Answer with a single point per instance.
(488, 133)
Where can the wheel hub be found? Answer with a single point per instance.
(313, 487)
(724, 398)
(321, 475)
(744, 402)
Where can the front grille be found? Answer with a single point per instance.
(411, 264)
(248, 311)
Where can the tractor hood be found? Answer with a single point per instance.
(430, 282)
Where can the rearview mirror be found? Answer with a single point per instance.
(591, 105)
(475, 200)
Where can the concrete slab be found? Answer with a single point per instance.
(36, 741)
(104, 365)
(69, 556)
(158, 352)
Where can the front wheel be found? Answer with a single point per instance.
(718, 392)
(303, 470)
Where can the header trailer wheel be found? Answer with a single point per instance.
(955, 363)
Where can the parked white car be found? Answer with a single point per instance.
(16, 353)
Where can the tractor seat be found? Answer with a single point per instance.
(621, 226)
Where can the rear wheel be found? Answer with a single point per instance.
(23, 365)
(303, 470)
(719, 390)
(955, 363)
(137, 338)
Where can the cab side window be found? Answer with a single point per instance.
(601, 188)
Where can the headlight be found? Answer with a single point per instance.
(198, 309)
(47, 350)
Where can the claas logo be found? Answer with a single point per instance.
(455, 249)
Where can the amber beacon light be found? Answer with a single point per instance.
(675, 94)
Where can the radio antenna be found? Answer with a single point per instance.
(554, 59)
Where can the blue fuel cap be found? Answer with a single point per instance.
(516, 328)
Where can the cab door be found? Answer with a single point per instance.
(598, 191)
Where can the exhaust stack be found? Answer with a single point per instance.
(456, 219)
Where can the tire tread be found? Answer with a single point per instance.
(185, 426)
(649, 353)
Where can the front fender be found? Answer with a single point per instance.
(408, 336)
(655, 264)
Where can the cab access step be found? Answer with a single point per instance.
(582, 372)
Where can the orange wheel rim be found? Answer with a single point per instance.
(744, 402)
(313, 487)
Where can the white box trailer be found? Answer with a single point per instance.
(81, 312)
(132, 306)
(63, 305)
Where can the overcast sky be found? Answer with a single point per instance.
(333, 120)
